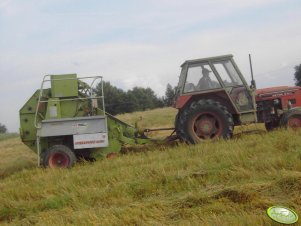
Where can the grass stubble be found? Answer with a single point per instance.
(228, 182)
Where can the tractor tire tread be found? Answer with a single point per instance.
(285, 117)
(182, 119)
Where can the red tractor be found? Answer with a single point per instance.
(279, 106)
(213, 97)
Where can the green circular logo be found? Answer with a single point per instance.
(282, 215)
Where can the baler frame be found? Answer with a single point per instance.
(60, 100)
(70, 101)
(47, 78)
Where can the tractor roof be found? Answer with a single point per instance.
(207, 59)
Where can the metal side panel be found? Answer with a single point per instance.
(72, 126)
(93, 140)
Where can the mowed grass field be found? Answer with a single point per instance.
(228, 182)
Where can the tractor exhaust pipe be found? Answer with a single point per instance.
(253, 83)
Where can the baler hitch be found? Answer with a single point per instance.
(159, 129)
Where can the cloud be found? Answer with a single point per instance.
(140, 43)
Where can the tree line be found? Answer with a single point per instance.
(3, 128)
(118, 101)
(298, 75)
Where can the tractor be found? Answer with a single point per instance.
(213, 97)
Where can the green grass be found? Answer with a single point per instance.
(157, 118)
(15, 156)
(228, 182)
(5, 136)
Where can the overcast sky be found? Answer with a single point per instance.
(140, 42)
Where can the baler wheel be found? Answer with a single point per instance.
(205, 120)
(59, 156)
(291, 119)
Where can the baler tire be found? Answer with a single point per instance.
(205, 116)
(58, 156)
(291, 119)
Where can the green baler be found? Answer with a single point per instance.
(63, 123)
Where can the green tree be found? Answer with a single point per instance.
(138, 99)
(114, 98)
(3, 128)
(131, 102)
(146, 98)
(169, 95)
(298, 75)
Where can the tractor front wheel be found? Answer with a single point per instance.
(204, 120)
(58, 156)
(270, 126)
(291, 119)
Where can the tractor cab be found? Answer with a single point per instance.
(215, 75)
(212, 97)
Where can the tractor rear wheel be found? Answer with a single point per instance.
(204, 120)
(291, 119)
(58, 156)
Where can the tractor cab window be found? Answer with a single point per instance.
(228, 73)
(239, 94)
(181, 80)
(200, 77)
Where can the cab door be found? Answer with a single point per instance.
(238, 91)
(237, 88)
